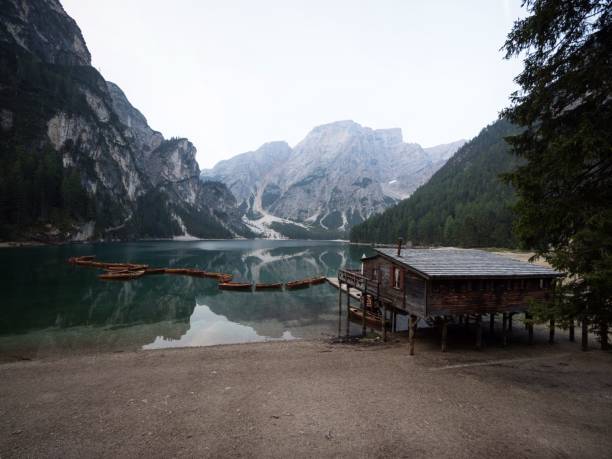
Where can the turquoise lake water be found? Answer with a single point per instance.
(50, 306)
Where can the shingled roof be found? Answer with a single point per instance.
(461, 263)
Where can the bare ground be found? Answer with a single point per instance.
(312, 399)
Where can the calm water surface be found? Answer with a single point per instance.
(49, 306)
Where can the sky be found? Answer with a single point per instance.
(231, 75)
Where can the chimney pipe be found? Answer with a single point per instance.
(399, 247)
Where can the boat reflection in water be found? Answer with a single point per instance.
(52, 306)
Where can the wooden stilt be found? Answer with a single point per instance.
(504, 329)
(585, 334)
(339, 309)
(348, 311)
(384, 320)
(412, 331)
(461, 319)
(510, 323)
(529, 325)
(492, 323)
(363, 317)
(551, 331)
(572, 336)
(466, 321)
(478, 332)
(444, 333)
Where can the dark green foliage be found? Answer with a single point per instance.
(564, 188)
(36, 189)
(298, 232)
(464, 204)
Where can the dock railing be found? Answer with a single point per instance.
(354, 278)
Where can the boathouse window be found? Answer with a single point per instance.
(375, 274)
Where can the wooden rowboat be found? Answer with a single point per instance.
(125, 267)
(273, 286)
(121, 275)
(372, 319)
(317, 280)
(304, 283)
(154, 271)
(176, 271)
(235, 286)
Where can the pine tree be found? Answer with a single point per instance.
(564, 209)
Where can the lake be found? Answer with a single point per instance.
(50, 306)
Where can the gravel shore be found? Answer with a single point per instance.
(311, 399)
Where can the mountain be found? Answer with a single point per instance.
(339, 175)
(464, 203)
(77, 160)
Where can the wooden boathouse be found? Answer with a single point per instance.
(442, 285)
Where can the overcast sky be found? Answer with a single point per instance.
(233, 74)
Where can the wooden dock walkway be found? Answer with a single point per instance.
(356, 294)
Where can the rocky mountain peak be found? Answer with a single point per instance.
(43, 28)
(337, 176)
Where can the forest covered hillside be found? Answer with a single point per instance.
(464, 204)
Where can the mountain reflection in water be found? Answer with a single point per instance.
(50, 305)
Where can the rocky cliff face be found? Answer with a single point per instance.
(338, 176)
(140, 184)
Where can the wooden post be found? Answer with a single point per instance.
(412, 331)
(492, 323)
(444, 333)
(394, 321)
(461, 319)
(551, 331)
(585, 334)
(478, 332)
(348, 310)
(384, 320)
(572, 337)
(510, 323)
(363, 317)
(466, 322)
(504, 329)
(529, 324)
(339, 308)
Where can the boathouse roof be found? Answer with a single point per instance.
(462, 263)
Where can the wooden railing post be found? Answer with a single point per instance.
(339, 307)
(348, 310)
(364, 298)
(384, 321)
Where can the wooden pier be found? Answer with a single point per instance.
(353, 292)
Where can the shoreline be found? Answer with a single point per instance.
(311, 398)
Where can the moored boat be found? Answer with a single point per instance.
(317, 280)
(154, 271)
(372, 319)
(121, 275)
(272, 286)
(235, 286)
(293, 285)
(176, 270)
(123, 267)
